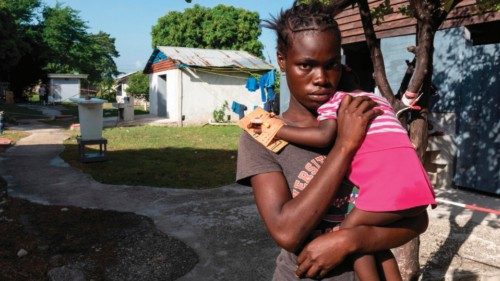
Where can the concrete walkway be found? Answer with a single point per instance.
(222, 224)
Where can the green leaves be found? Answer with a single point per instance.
(70, 48)
(221, 27)
(138, 85)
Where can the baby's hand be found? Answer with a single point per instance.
(410, 99)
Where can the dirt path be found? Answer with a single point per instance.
(221, 225)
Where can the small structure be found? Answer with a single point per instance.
(124, 102)
(90, 113)
(188, 84)
(62, 87)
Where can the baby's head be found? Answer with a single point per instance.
(301, 18)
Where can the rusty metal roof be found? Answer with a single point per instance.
(214, 58)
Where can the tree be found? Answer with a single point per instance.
(138, 86)
(19, 43)
(70, 48)
(36, 40)
(220, 27)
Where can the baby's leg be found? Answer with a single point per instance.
(366, 266)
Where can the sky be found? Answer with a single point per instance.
(130, 23)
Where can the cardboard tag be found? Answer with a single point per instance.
(269, 126)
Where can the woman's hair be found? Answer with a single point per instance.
(313, 16)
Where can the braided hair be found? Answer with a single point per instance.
(302, 17)
(311, 16)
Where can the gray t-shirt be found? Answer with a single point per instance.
(298, 164)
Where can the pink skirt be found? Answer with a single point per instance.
(390, 179)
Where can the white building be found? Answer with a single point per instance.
(65, 86)
(188, 84)
(121, 85)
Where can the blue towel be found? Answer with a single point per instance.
(266, 83)
(252, 84)
(239, 109)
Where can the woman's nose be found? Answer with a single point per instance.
(320, 77)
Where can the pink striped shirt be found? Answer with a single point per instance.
(385, 129)
(384, 123)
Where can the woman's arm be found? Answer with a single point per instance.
(321, 136)
(327, 251)
(290, 220)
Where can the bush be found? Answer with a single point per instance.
(138, 86)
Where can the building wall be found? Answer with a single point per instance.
(467, 79)
(468, 82)
(200, 93)
(205, 92)
(62, 89)
(172, 93)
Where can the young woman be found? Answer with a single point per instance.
(299, 192)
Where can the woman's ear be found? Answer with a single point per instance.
(281, 61)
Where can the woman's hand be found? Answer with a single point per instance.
(354, 115)
(323, 253)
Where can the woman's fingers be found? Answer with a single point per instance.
(303, 268)
(313, 272)
(366, 105)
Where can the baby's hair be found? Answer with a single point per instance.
(313, 16)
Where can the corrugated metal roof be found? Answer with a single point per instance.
(123, 77)
(64, 75)
(215, 58)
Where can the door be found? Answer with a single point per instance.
(162, 95)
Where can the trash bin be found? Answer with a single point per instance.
(90, 115)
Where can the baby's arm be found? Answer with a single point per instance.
(321, 136)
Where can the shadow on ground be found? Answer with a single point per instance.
(93, 244)
(164, 167)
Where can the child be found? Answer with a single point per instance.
(392, 182)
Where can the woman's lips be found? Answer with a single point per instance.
(320, 97)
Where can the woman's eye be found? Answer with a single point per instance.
(333, 65)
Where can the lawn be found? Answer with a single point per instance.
(18, 112)
(13, 135)
(188, 157)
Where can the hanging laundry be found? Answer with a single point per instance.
(239, 109)
(252, 84)
(266, 83)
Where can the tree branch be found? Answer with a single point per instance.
(342, 4)
(429, 17)
(375, 52)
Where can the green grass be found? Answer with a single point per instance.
(13, 135)
(15, 112)
(189, 157)
(34, 98)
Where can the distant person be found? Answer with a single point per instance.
(42, 93)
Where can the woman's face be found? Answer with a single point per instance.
(312, 66)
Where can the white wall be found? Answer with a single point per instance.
(62, 89)
(173, 93)
(204, 92)
(200, 93)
